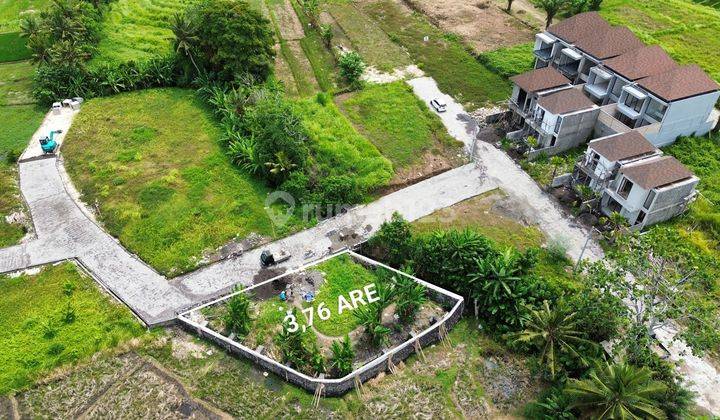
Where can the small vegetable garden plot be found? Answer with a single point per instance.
(346, 317)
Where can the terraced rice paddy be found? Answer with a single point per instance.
(138, 29)
(367, 38)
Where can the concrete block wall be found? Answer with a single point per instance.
(340, 386)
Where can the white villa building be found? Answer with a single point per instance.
(596, 81)
(634, 87)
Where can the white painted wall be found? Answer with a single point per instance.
(684, 118)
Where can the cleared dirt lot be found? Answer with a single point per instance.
(480, 23)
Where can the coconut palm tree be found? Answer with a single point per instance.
(553, 331)
(185, 36)
(618, 391)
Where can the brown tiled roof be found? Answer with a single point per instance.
(642, 62)
(540, 79)
(564, 101)
(679, 83)
(656, 172)
(578, 26)
(609, 43)
(622, 146)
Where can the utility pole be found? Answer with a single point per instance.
(582, 252)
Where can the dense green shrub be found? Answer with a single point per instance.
(65, 34)
(237, 320)
(351, 68)
(342, 357)
(231, 39)
(280, 138)
(392, 243)
(53, 82)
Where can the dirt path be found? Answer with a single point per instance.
(288, 23)
(525, 11)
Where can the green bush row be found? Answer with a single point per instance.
(52, 82)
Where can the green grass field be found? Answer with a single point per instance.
(13, 47)
(10, 233)
(137, 30)
(53, 318)
(339, 149)
(16, 84)
(456, 71)
(11, 12)
(396, 121)
(153, 162)
(342, 275)
(510, 61)
(688, 31)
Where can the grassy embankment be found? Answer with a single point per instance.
(153, 162)
(137, 30)
(54, 318)
(21, 118)
(397, 122)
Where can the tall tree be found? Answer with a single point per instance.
(554, 332)
(551, 8)
(618, 391)
(234, 39)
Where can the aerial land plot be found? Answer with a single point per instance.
(310, 311)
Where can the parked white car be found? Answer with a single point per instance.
(438, 105)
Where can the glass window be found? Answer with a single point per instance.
(617, 89)
(625, 187)
(633, 103)
(558, 122)
(640, 218)
(649, 200)
(656, 110)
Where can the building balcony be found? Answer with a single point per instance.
(627, 111)
(599, 91)
(515, 107)
(544, 54)
(569, 70)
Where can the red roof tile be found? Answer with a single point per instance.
(578, 26)
(564, 101)
(657, 172)
(540, 79)
(680, 83)
(642, 62)
(622, 146)
(604, 44)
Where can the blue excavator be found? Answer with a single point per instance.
(48, 143)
